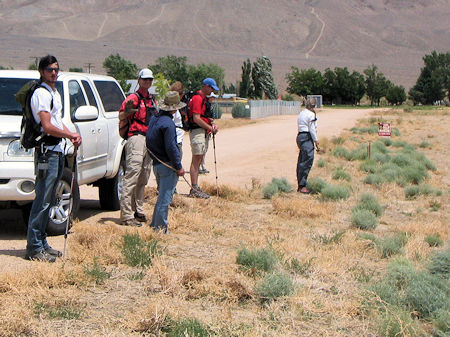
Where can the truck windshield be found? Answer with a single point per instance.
(8, 87)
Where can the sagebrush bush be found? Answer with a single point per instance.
(240, 111)
(274, 286)
(97, 272)
(316, 185)
(341, 152)
(364, 219)
(440, 264)
(139, 253)
(397, 322)
(424, 144)
(369, 166)
(379, 146)
(412, 192)
(391, 245)
(264, 259)
(270, 190)
(369, 202)
(277, 185)
(396, 132)
(321, 163)
(338, 140)
(360, 153)
(341, 174)
(399, 143)
(386, 141)
(374, 179)
(434, 240)
(335, 192)
(185, 327)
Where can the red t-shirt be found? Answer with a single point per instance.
(196, 106)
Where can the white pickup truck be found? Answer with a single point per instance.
(90, 107)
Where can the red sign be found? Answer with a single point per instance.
(384, 129)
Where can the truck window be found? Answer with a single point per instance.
(89, 93)
(110, 94)
(76, 97)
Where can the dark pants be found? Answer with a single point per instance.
(305, 157)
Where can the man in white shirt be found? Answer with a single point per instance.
(49, 159)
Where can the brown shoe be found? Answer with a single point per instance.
(53, 252)
(305, 190)
(140, 217)
(197, 193)
(131, 222)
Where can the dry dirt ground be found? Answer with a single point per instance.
(262, 150)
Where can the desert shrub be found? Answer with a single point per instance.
(298, 267)
(328, 239)
(386, 141)
(360, 153)
(67, 310)
(424, 144)
(412, 192)
(397, 322)
(274, 286)
(364, 219)
(422, 159)
(379, 146)
(316, 185)
(369, 202)
(341, 174)
(338, 140)
(414, 174)
(434, 240)
(264, 259)
(355, 130)
(391, 245)
(340, 152)
(399, 143)
(240, 111)
(396, 132)
(139, 253)
(369, 166)
(97, 272)
(380, 157)
(277, 185)
(440, 264)
(321, 163)
(374, 179)
(441, 323)
(335, 192)
(185, 327)
(217, 111)
(403, 160)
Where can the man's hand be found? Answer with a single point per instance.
(180, 172)
(214, 128)
(76, 139)
(129, 108)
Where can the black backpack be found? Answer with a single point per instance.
(30, 131)
(187, 118)
(124, 124)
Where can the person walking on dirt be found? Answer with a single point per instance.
(46, 106)
(306, 139)
(200, 113)
(138, 107)
(162, 146)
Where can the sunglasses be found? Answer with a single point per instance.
(147, 79)
(50, 69)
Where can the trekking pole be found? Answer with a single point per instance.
(215, 163)
(72, 186)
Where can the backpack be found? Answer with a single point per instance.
(187, 117)
(124, 124)
(30, 131)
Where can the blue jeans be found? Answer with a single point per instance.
(168, 180)
(45, 191)
(305, 158)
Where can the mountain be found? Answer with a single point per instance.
(392, 34)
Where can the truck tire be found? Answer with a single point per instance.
(109, 190)
(58, 221)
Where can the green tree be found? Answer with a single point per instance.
(396, 95)
(245, 87)
(120, 69)
(32, 66)
(433, 83)
(196, 74)
(304, 82)
(174, 68)
(76, 70)
(263, 79)
(376, 84)
(162, 85)
(230, 88)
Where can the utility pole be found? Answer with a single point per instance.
(89, 66)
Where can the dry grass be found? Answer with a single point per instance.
(197, 277)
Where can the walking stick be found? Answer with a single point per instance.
(215, 162)
(72, 186)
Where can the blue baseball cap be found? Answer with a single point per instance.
(209, 81)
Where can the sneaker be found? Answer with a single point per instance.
(42, 256)
(203, 171)
(304, 190)
(198, 193)
(53, 252)
(131, 222)
(140, 217)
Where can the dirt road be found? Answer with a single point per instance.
(262, 150)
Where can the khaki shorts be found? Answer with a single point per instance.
(199, 141)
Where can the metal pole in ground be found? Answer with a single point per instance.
(215, 164)
(69, 216)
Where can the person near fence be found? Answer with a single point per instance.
(200, 113)
(46, 106)
(138, 107)
(306, 140)
(162, 145)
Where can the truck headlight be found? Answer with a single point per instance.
(15, 149)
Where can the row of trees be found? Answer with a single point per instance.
(257, 79)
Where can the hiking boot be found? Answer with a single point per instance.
(198, 193)
(131, 222)
(53, 252)
(304, 190)
(203, 171)
(140, 217)
(42, 256)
